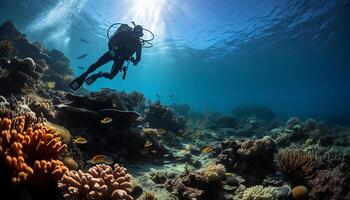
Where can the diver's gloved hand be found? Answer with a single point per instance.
(112, 53)
(133, 60)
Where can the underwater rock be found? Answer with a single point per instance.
(282, 192)
(126, 117)
(121, 100)
(58, 67)
(162, 117)
(252, 159)
(15, 75)
(199, 185)
(72, 116)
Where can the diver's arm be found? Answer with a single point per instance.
(138, 53)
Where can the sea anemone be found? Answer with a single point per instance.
(296, 164)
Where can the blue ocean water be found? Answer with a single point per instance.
(290, 55)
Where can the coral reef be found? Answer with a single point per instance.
(244, 157)
(30, 149)
(100, 182)
(296, 164)
(56, 63)
(330, 184)
(164, 118)
(17, 74)
(121, 100)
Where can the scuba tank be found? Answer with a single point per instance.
(114, 38)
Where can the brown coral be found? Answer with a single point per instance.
(100, 182)
(29, 150)
(296, 164)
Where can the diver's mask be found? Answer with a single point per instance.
(138, 31)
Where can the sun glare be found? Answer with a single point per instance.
(149, 13)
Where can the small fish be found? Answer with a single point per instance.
(80, 140)
(157, 95)
(82, 56)
(101, 159)
(83, 40)
(161, 131)
(166, 155)
(80, 67)
(154, 151)
(148, 144)
(51, 85)
(188, 147)
(171, 96)
(207, 150)
(106, 120)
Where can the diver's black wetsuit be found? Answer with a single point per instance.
(124, 45)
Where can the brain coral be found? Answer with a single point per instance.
(214, 172)
(29, 149)
(100, 182)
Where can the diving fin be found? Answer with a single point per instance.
(91, 79)
(76, 83)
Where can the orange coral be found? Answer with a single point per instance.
(100, 182)
(29, 149)
(296, 164)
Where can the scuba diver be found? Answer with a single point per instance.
(123, 44)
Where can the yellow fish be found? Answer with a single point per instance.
(207, 150)
(80, 140)
(101, 159)
(188, 147)
(51, 85)
(106, 120)
(148, 144)
(161, 131)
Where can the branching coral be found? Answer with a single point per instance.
(259, 192)
(100, 182)
(296, 164)
(30, 149)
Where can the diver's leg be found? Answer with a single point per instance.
(105, 58)
(78, 82)
(117, 65)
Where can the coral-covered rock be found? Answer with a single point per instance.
(57, 64)
(253, 159)
(330, 184)
(164, 118)
(17, 74)
(100, 182)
